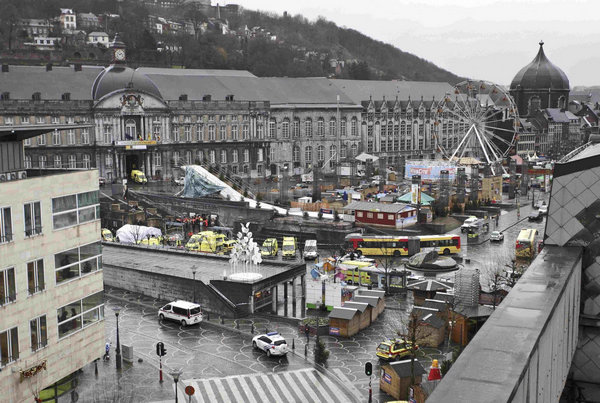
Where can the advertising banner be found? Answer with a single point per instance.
(428, 172)
(387, 378)
(334, 331)
(415, 189)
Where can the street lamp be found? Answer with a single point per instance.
(176, 374)
(194, 268)
(117, 311)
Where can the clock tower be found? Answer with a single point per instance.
(118, 51)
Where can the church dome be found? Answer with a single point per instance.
(117, 77)
(540, 74)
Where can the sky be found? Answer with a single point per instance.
(481, 39)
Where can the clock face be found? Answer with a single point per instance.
(120, 54)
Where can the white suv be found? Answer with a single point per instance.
(186, 313)
(272, 343)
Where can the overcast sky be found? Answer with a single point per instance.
(485, 39)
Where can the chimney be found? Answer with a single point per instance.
(206, 98)
(5, 68)
(49, 67)
(77, 66)
(183, 97)
(229, 98)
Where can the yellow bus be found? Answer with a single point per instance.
(525, 246)
(390, 245)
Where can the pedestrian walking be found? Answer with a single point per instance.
(107, 351)
(306, 332)
(125, 191)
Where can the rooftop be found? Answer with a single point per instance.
(339, 312)
(376, 207)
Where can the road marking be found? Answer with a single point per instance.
(320, 386)
(306, 386)
(233, 388)
(246, 388)
(221, 390)
(272, 386)
(259, 389)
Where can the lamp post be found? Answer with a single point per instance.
(117, 311)
(176, 374)
(194, 268)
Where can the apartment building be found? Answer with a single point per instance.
(51, 287)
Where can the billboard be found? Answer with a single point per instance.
(428, 172)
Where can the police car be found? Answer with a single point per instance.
(272, 343)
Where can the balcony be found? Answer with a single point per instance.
(523, 353)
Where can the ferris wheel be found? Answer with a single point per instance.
(487, 122)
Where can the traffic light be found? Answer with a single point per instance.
(368, 369)
(160, 349)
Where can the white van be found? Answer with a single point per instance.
(186, 313)
(310, 249)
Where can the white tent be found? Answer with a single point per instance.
(134, 233)
(363, 157)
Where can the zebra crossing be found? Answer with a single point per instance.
(303, 385)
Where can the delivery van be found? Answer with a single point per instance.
(269, 248)
(310, 249)
(138, 176)
(288, 247)
(206, 241)
(107, 235)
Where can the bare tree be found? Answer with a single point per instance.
(388, 262)
(414, 331)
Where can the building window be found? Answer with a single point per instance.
(245, 132)
(296, 128)
(246, 155)
(41, 140)
(9, 120)
(307, 155)
(35, 276)
(32, 213)
(332, 155)
(285, 129)
(296, 154)
(42, 161)
(260, 155)
(71, 136)
(77, 262)
(369, 215)
(86, 161)
(260, 131)
(212, 157)
(57, 161)
(39, 333)
(259, 169)
(332, 127)
(390, 216)
(40, 120)
(354, 127)
(379, 216)
(234, 169)
(6, 234)
(108, 134)
(9, 346)
(223, 156)
(234, 132)
(85, 136)
(245, 169)
(72, 161)
(157, 159)
(176, 159)
(359, 213)
(234, 156)
(320, 127)
(308, 128)
(223, 133)
(188, 157)
(156, 131)
(187, 130)
(8, 291)
(343, 151)
(28, 162)
(27, 142)
(343, 127)
(80, 314)
(272, 128)
(211, 133)
(354, 150)
(75, 209)
(108, 160)
(320, 153)
(56, 138)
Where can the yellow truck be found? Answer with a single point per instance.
(138, 176)
(153, 240)
(288, 247)
(269, 248)
(207, 242)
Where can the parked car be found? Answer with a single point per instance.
(467, 224)
(272, 343)
(186, 313)
(543, 209)
(180, 181)
(535, 216)
(102, 181)
(310, 249)
(394, 349)
(496, 236)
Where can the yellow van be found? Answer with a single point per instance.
(152, 241)
(269, 248)
(138, 176)
(107, 235)
(229, 244)
(206, 241)
(288, 247)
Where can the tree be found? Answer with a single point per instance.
(321, 353)
(9, 20)
(388, 262)
(414, 332)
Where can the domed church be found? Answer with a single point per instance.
(540, 85)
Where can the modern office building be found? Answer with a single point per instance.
(51, 287)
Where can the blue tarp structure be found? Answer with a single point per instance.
(197, 186)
